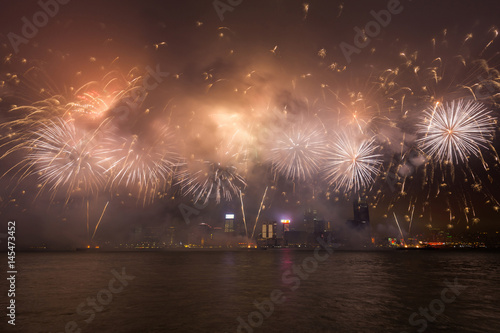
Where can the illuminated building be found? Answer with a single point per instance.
(229, 223)
(286, 230)
(286, 225)
(269, 229)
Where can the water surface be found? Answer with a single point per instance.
(206, 291)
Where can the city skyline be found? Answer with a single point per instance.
(180, 123)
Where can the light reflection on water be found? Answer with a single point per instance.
(196, 291)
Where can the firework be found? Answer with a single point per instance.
(452, 70)
(352, 162)
(141, 164)
(208, 179)
(364, 103)
(63, 155)
(244, 115)
(399, 227)
(88, 103)
(36, 91)
(450, 67)
(298, 153)
(454, 131)
(260, 210)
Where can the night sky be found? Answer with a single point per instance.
(229, 91)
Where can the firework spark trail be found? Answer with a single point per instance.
(212, 179)
(243, 213)
(396, 219)
(99, 222)
(365, 103)
(88, 230)
(219, 179)
(97, 99)
(456, 130)
(351, 163)
(494, 31)
(411, 219)
(258, 214)
(90, 101)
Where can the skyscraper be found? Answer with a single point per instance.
(319, 228)
(229, 223)
(359, 228)
(310, 217)
(269, 229)
(286, 230)
(286, 225)
(361, 211)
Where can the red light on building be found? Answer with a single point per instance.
(286, 225)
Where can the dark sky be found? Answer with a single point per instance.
(208, 60)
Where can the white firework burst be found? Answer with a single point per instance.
(142, 165)
(456, 130)
(351, 163)
(64, 157)
(298, 153)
